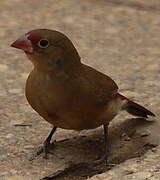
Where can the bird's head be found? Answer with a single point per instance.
(47, 49)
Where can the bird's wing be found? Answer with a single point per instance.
(104, 86)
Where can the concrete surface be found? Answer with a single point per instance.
(118, 37)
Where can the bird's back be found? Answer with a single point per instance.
(104, 86)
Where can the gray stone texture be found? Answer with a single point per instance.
(118, 37)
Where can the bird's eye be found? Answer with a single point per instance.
(43, 43)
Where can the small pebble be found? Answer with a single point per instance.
(145, 133)
(125, 137)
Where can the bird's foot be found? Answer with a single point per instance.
(104, 159)
(45, 149)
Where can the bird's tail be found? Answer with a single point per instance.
(134, 108)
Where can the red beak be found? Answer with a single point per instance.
(23, 43)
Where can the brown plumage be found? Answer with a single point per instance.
(64, 91)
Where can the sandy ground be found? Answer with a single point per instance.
(117, 37)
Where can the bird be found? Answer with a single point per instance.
(68, 93)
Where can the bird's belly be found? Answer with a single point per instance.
(76, 123)
(90, 120)
(76, 117)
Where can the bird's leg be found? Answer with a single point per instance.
(46, 145)
(106, 143)
(47, 142)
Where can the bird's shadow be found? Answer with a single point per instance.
(84, 149)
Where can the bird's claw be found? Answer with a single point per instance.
(104, 159)
(43, 149)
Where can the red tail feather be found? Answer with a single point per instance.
(134, 108)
